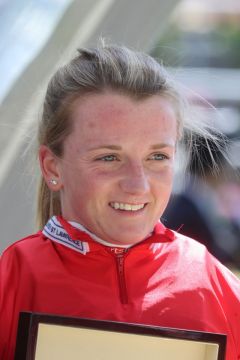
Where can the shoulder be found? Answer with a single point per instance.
(25, 247)
(25, 242)
(178, 245)
(191, 249)
(195, 256)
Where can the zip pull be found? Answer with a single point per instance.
(120, 257)
(118, 251)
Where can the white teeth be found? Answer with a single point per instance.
(126, 207)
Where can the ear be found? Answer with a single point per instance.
(49, 168)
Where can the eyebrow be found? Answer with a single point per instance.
(108, 147)
(162, 145)
(118, 148)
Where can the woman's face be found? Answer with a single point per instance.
(117, 169)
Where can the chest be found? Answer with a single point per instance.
(123, 288)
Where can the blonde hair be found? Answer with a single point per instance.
(111, 67)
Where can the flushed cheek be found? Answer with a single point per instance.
(163, 179)
(95, 194)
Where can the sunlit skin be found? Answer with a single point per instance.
(121, 150)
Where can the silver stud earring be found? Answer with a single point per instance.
(53, 182)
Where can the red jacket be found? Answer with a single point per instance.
(166, 280)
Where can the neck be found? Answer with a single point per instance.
(96, 238)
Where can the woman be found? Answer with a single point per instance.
(107, 142)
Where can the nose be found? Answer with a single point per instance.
(134, 180)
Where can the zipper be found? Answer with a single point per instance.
(119, 255)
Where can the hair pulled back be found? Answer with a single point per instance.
(107, 67)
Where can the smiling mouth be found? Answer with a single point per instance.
(127, 207)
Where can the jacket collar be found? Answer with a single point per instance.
(61, 231)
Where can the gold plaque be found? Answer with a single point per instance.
(50, 337)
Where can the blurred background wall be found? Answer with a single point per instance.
(201, 46)
(198, 40)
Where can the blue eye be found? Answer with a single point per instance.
(108, 158)
(158, 157)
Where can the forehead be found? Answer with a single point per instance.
(116, 116)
